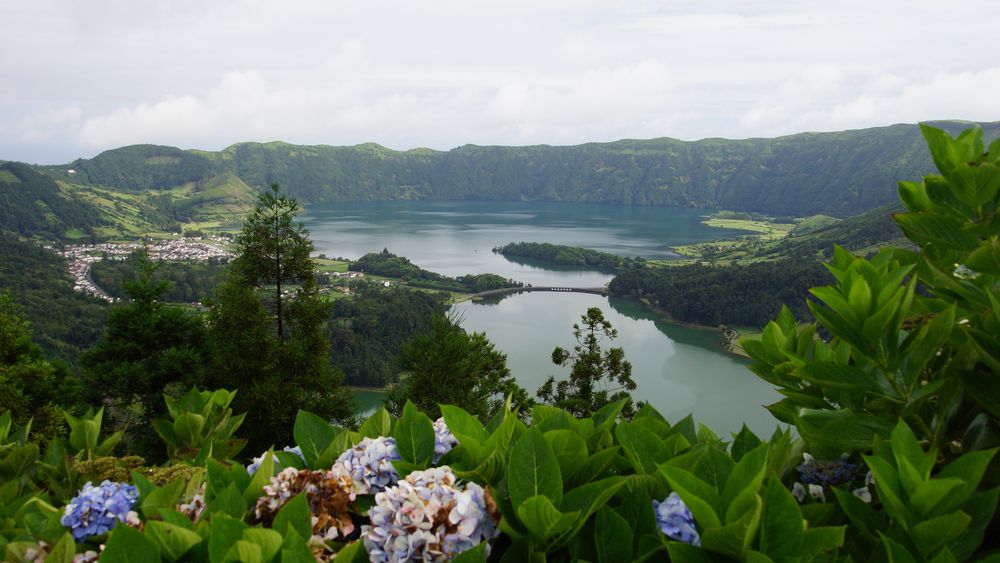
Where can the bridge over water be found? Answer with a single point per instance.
(508, 290)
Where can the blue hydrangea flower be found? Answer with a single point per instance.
(827, 472)
(428, 517)
(95, 510)
(255, 462)
(675, 520)
(370, 464)
(444, 440)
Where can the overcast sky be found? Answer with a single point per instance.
(81, 76)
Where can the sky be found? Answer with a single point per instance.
(81, 76)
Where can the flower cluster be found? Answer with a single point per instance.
(329, 494)
(675, 520)
(95, 510)
(827, 472)
(817, 475)
(370, 464)
(444, 440)
(194, 508)
(427, 517)
(255, 462)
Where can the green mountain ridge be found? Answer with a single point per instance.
(837, 174)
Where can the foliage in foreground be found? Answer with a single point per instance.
(894, 392)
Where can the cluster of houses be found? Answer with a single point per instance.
(81, 256)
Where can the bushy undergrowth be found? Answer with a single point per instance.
(893, 393)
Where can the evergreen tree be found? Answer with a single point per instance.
(268, 341)
(447, 365)
(596, 378)
(148, 348)
(31, 387)
(274, 250)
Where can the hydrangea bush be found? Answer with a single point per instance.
(369, 464)
(429, 517)
(96, 510)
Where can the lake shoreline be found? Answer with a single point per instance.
(729, 337)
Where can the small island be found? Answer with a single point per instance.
(563, 255)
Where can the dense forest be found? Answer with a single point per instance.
(191, 282)
(747, 295)
(389, 265)
(63, 322)
(367, 332)
(563, 255)
(32, 204)
(838, 174)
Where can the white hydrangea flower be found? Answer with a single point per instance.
(427, 517)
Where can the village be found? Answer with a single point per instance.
(81, 256)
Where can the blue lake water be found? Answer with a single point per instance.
(679, 370)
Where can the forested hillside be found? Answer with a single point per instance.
(63, 321)
(838, 174)
(32, 204)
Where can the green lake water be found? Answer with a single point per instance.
(679, 370)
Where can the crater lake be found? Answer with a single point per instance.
(679, 370)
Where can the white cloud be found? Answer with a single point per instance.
(441, 73)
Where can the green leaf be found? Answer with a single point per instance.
(613, 537)
(570, 451)
(734, 538)
(294, 549)
(352, 553)
(128, 545)
(943, 230)
(970, 468)
(587, 499)
(895, 552)
(542, 519)
(174, 541)
(890, 490)
(468, 431)
(595, 466)
(244, 552)
(312, 435)
(606, 415)
(228, 501)
(743, 443)
(929, 494)
(295, 515)
(747, 475)
(643, 448)
(162, 497)
(260, 478)
(533, 469)
(908, 453)
(781, 525)
(378, 424)
(269, 541)
(931, 535)
(223, 532)
(188, 427)
(699, 496)
(474, 555)
(867, 522)
(821, 539)
(415, 436)
(64, 550)
(848, 378)
(843, 430)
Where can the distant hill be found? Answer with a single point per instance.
(32, 204)
(836, 174)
